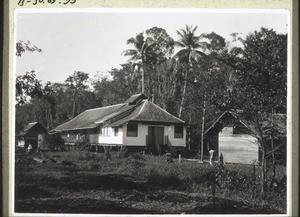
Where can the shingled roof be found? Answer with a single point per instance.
(87, 119)
(136, 108)
(148, 112)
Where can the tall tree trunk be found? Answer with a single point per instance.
(254, 180)
(202, 127)
(148, 83)
(47, 117)
(183, 94)
(34, 111)
(153, 95)
(143, 75)
(273, 150)
(262, 142)
(263, 171)
(143, 81)
(190, 118)
(74, 104)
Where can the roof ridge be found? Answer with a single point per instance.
(113, 114)
(227, 111)
(102, 107)
(136, 94)
(235, 115)
(140, 109)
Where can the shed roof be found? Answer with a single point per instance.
(34, 127)
(220, 118)
(279, 122)
(29, 126)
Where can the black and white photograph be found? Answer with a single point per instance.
(151, 111)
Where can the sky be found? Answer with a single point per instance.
(93, 41)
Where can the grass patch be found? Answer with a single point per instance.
(136, 184)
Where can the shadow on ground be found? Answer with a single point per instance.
(89, 206)
(52, 190)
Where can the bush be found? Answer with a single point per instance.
(226, 180)
(169, 180)
(136, 156)
(67, 163)
(91, 156)
(124, 152)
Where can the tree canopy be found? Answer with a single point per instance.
(22, 47)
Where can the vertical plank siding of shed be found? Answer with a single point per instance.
(237, 148)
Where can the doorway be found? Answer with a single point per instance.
(155, 139)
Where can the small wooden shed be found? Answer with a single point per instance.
(233, 138)
(34, 133)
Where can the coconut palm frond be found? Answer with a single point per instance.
(196, 38)
(181, 34)
(136, 66)
(181, 54)
(200, 53)
(188, 28)
(129, 52)
(192, 56)
(194, 30)
(132, 60)
(202, 44)
(180, 44)
(203, 35)
(139, 43)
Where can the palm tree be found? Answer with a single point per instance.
(188, 54)
(141, 55)
(166, 84)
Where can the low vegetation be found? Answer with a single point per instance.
(86, 182)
